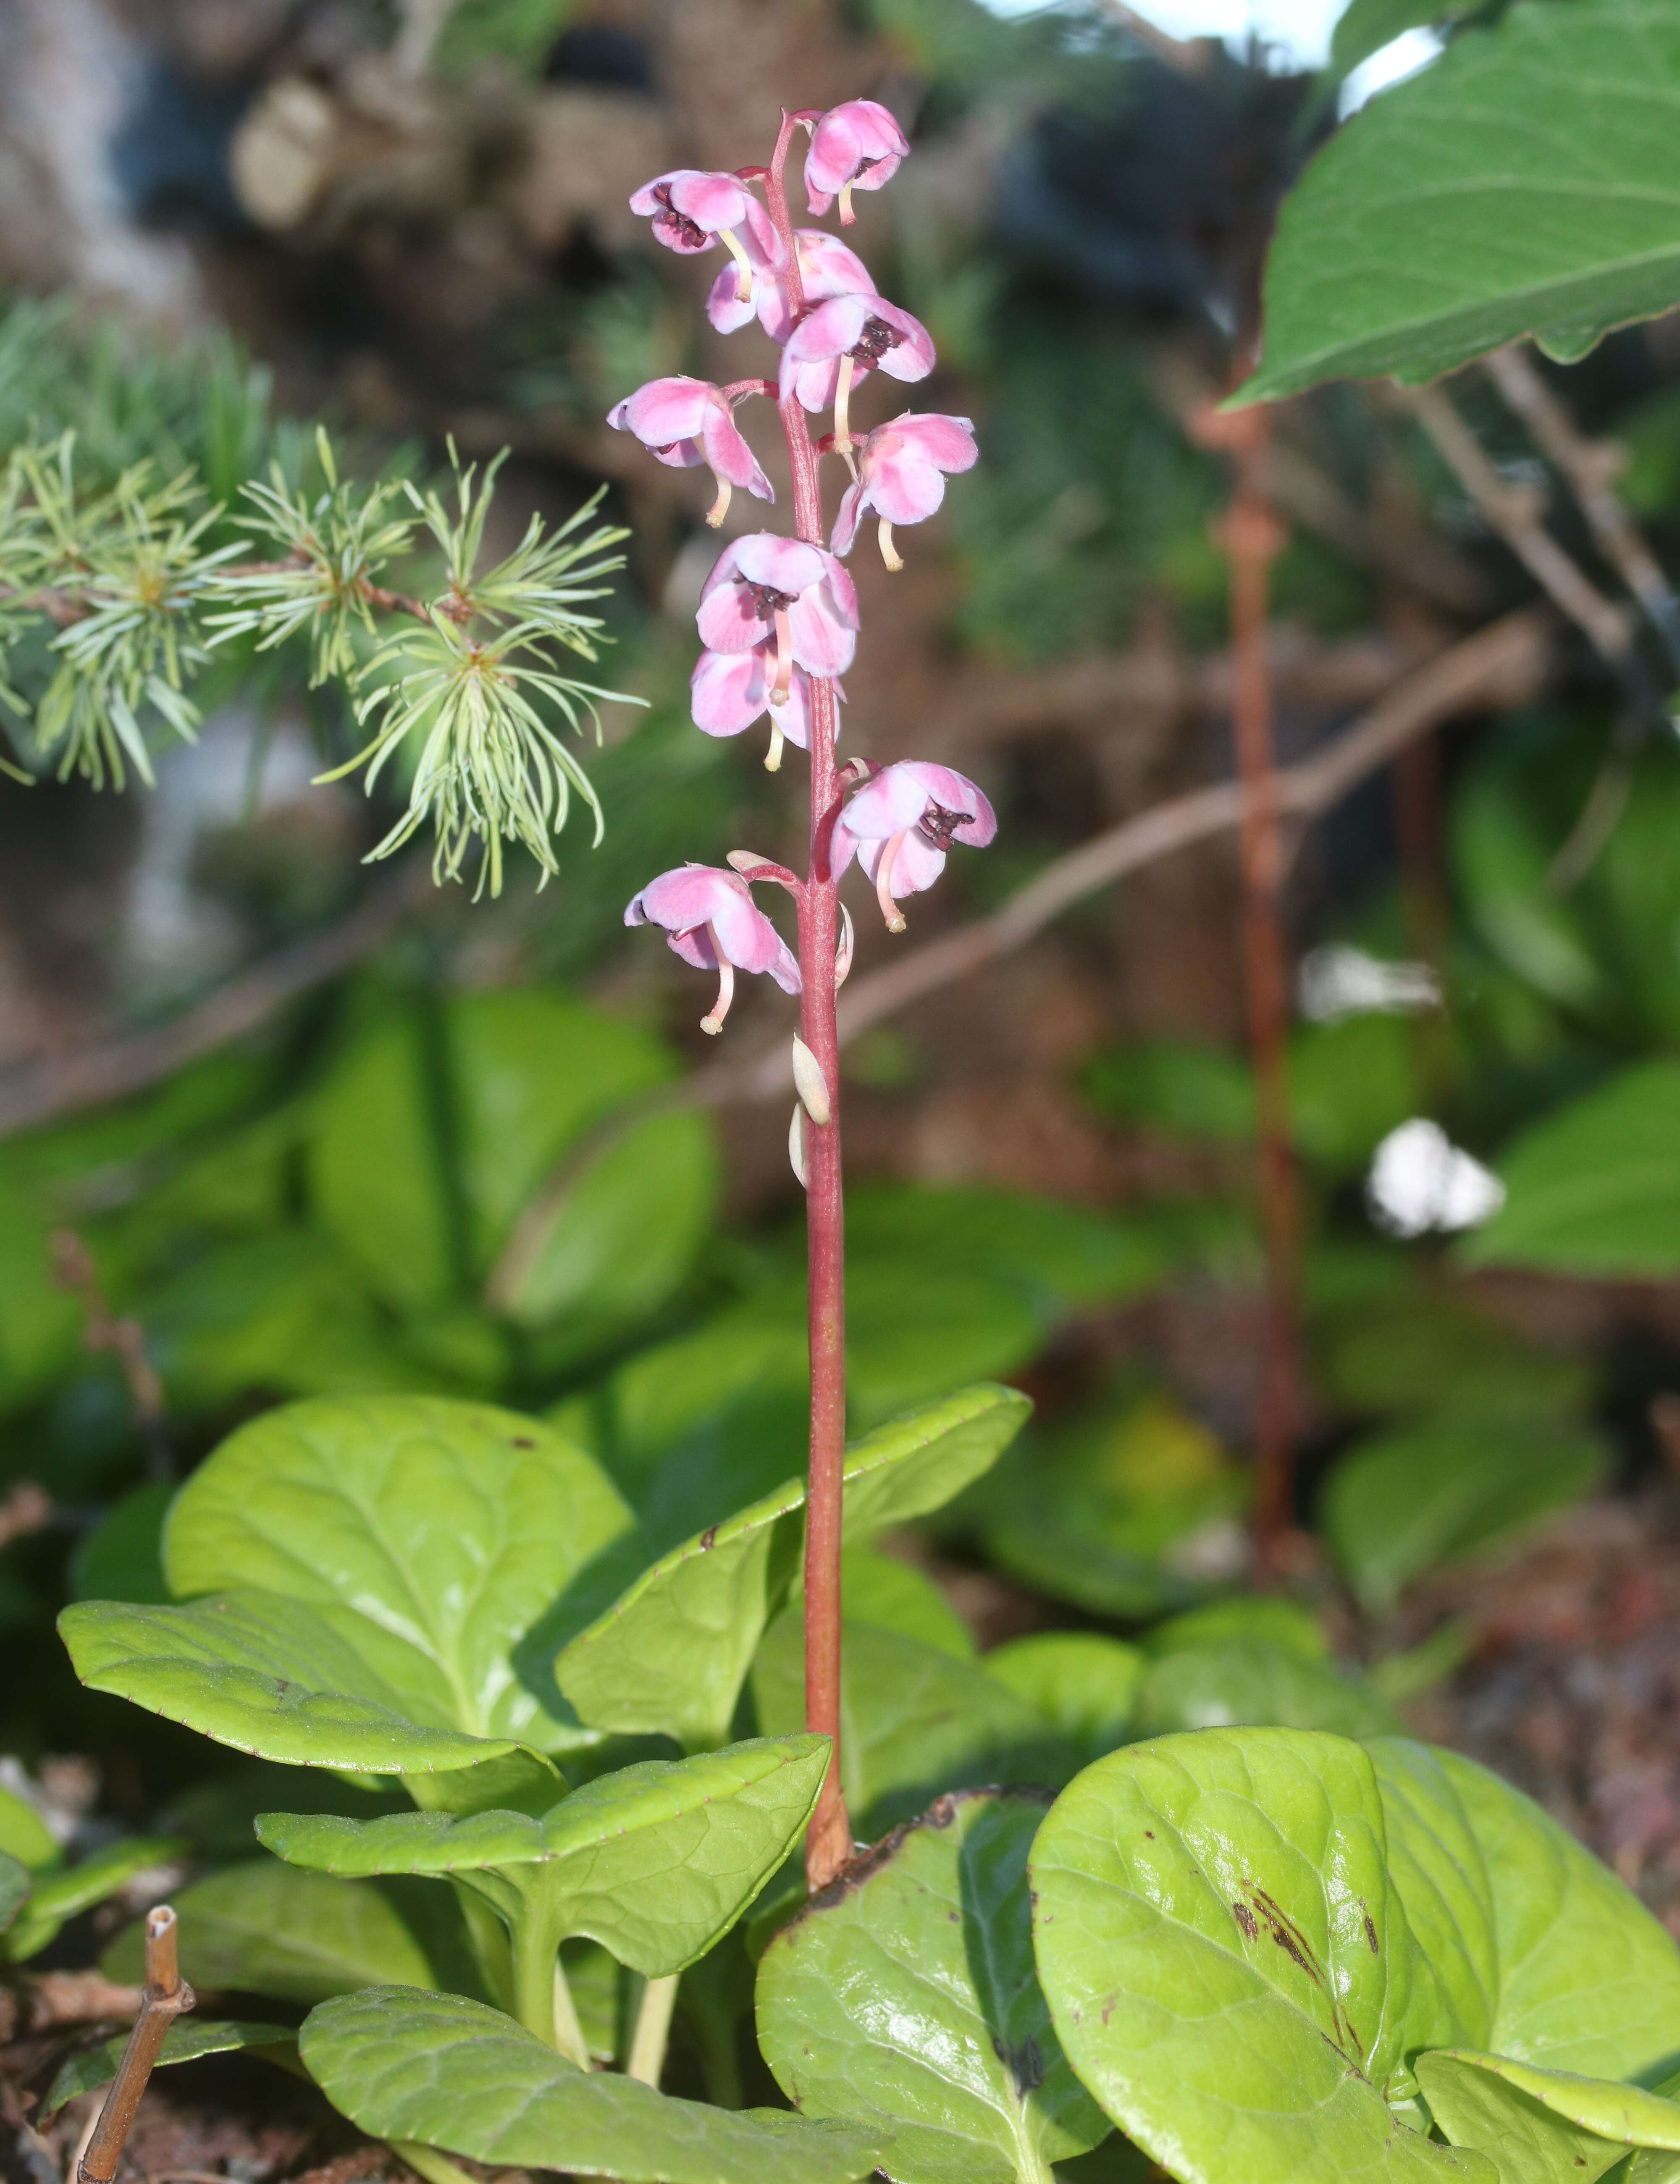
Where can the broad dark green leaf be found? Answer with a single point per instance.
(1257, 1681)
(185, 2041)
(122, 1557)
(1594, 1189)
(1084, 1686)
(444, 2072)
(59, 1892)
(1403, 1502)
(671, 1656)
(1542, 2126)
(903, 1999)
(1527, 183)
(914, 1721)
(655, 1862)
(262, 1928)
(1228, 1966)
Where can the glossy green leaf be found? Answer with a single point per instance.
(1403, 1502)
(59, 1892)
(656, 1862)
(15, 1886)
(1084, 1686)
(1542, 2126)
(930, 1935)
(1526, 183)
(262, 1928)
(913, 1722)
(1594, 1189)
(672, 1655)
(1444, 1881)
(311, 1687)
(444, 2072)
(122, 1558)
(1228, 1966)
(185, 2041)
(1257, 1682)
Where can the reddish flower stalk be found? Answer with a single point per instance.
(778, 617)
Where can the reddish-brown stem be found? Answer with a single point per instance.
(828, 1842)
(1252, 538)
(166, 1995)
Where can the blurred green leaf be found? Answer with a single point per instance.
(1434, 1350)
(24, 1835)
(1437, 1492)
(1184, 1090)
(59, 1891)
(895, 1596)
(1350, 1083)
(1084, 1684)
(1265, 1615)
(14, 1888)
(1257, 1682)
(477, 33)
(184, 2042)
(122, 1557)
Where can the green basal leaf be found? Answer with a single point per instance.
(185, 2041)
(59, 1892)
(1524, 184)
(1542, 2126)
(670, 1657)
(1228, 1965)
(1403, 1503)
(1084, 1684)
(1594, 1189)
(1257, 1681)
(15, 1886)
(655, 1862)
(914, 1721)
(262, 1928)
(441, 2071)
(314, 1687)
(904, 2000)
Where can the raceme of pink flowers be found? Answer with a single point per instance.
(778, 617)
(902, 821)
(712, 922)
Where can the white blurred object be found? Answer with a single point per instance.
(1420, 1180)
(1336, 981)
(1390, 64)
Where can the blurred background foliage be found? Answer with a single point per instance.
(450, 1150)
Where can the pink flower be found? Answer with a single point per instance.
(731, 690)
(686, 422)
(901, 476)
(692, 210)
(854, 146)
(826, 268)
(900, 824)
(796, 600)
(841, 341)
(715, 924)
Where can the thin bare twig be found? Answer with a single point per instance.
(1592, 468)
(1500, 666)
(166, 1995)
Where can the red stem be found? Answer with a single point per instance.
(828, 1842)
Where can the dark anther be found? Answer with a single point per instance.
(686, 229)
(939, 825)
(767, 599)
(874, 342)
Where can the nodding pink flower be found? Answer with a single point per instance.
(686, 423)
(901, 476)
(692, 210)
(854, 146)
(901, 822)
(779, 592)
(731, 690)
(842, 340)
(826, 268)
(713, 923)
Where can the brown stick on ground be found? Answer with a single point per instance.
(166, 1995)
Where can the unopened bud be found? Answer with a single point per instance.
(842, 948)
(796, 1145)
(810, 1083)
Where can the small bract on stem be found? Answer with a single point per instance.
(778, 619)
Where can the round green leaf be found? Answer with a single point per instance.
(1228, 1966)
(449, 2073)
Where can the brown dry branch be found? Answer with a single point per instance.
(165, 1996)
(1501, 666)
(41, 2002)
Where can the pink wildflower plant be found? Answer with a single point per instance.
(712, 922)
(692, 208)
(902, 467)
(687, 423)
(856, 146)
(794, 599)
(902, 821)
(826, 268)
(728, 691)
(841, 341)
